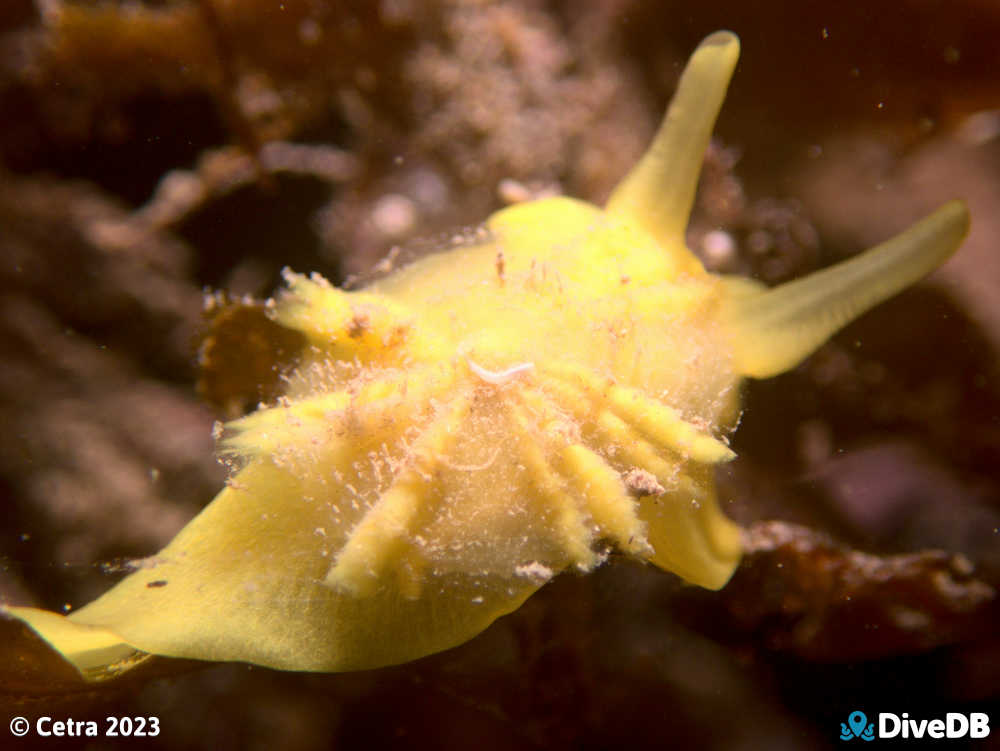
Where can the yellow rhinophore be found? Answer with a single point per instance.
(465, 429)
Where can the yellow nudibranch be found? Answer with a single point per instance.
(464, 429)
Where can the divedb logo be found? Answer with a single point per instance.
(974, 725)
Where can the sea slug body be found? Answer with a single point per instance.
(471, 425)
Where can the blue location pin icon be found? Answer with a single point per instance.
(857, 721)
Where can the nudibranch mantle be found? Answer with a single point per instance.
(485, 418)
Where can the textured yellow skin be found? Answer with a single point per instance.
(463, 430)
